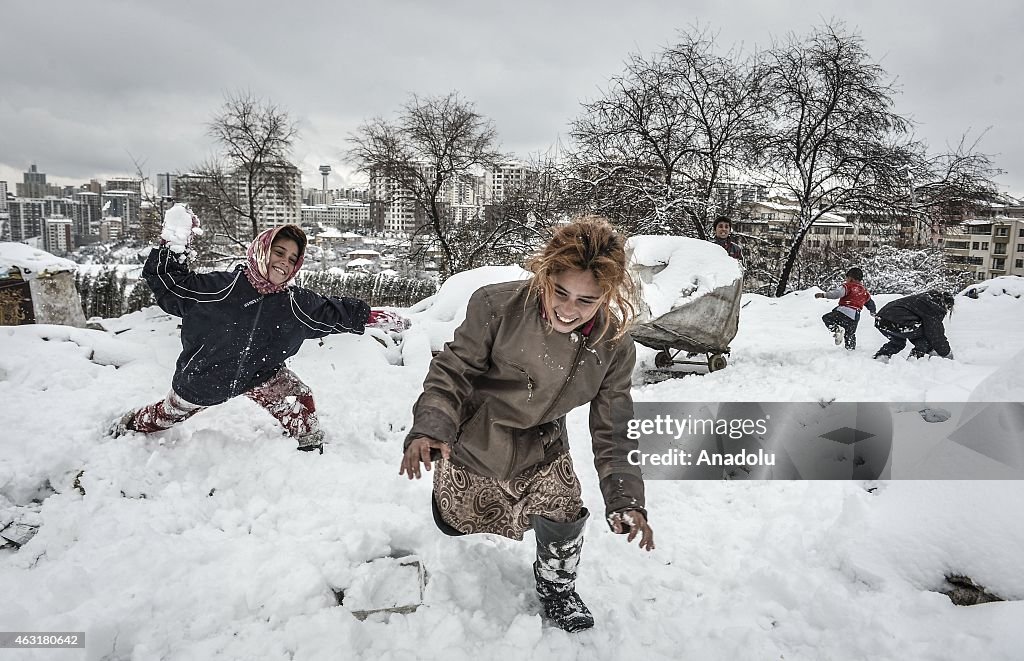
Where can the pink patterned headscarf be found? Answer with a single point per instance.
(258, 261)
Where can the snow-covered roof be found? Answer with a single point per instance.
(359, 262)
(364, 253)
(831, 219)
(329, 233)
(351, 235)
(32, 262)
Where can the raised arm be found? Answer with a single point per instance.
(177, 288)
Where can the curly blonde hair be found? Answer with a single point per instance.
(590, 243)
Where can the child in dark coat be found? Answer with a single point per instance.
(917, 318)
(844, 318)
(238, 327)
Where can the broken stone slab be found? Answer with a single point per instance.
(385, 585)
(18, 534)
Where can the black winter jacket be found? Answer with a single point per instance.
(233, 338)
(919, 311)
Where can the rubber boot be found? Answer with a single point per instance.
(558, 556)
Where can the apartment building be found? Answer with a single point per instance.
(57, 235)
(987, 247)
(772, 221)
(279, 203)
(341, 214)
(505, 177)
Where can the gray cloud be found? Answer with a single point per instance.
(85, 84)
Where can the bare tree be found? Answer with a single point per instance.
(437, 143)
(945, 187)
(522, 219)
(654, 147)
(229, 190)
(836, 142)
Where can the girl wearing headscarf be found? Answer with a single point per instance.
(238, 328)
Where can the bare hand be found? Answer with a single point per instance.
(419, 451)
(636, 523)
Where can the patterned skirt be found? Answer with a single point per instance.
(472, 503)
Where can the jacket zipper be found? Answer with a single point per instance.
(561, 391)
(248, 347)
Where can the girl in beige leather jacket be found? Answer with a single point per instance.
(492, 412)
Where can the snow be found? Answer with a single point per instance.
(689, 268)
(438, 316)
(241, 542)
(1004, 285)
(179, 226)
(32, 262)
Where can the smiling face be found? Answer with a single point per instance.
(576, 299)
(722, 230)
(284, 255)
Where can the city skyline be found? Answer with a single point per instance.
(106, 82)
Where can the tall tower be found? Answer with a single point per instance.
(325, 170)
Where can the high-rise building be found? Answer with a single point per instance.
(165, 185)
(130, 184)
(392, 207)
(35, 186)
(278, 203)
(125, 205)
(5, 216)
(86, 213)
(503, 178)
(57, 237)
(281, 200)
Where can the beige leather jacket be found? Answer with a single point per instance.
(499, 391)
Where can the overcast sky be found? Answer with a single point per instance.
(86, 85)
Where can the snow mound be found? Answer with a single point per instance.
(1009, 285)
(675, 270)
(32, 262)
(439, 315)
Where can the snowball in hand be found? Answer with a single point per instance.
(178, 227)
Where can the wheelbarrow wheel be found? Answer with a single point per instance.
(716, 362)
(663, 359)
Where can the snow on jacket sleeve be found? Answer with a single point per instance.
(449, 380)
(324, 315)
(176, 287)
(621, 483)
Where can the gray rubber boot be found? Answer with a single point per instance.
(558, 556)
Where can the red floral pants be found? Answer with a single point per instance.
(284, 396)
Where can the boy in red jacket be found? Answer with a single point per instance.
(843, 319)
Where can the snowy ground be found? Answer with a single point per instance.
(237, 547)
